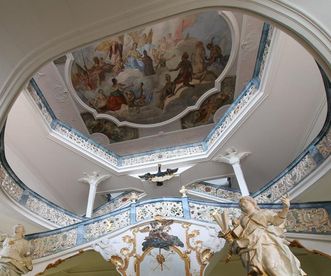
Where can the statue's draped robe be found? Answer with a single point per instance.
(12, 257)
(263, 248)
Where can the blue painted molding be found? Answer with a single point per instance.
(263, 43)
(186, 208)
(133, 218)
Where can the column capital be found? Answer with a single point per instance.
(94, 178)
(231, 156)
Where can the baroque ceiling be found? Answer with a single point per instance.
(178, 74)
(170, 93)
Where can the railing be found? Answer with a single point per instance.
(18, 192)
(120, 201)
(204, 189)
(302, 218)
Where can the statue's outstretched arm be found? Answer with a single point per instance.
(281, 215)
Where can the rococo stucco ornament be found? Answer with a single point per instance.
(258, 238)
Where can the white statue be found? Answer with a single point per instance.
(258, 238)
(15, 254)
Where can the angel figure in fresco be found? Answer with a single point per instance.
(258, 238)
(114, 50)
(160, 58)
(145, 41)
(116, 54)
(134, 58)
(15, 254)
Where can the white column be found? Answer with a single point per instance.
(93, 180)
(233, 158)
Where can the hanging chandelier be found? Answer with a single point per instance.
(160, 176)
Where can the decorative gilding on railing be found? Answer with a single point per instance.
(302, 218)
(263, 50)
(186, 151)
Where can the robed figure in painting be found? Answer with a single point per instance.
(15, 254)
(258, 238)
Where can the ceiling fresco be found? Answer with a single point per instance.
(153, 74)
(108, 128)
(205, 114)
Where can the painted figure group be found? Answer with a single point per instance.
(148, 59)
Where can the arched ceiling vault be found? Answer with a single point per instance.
(40, 49)
(49, 41)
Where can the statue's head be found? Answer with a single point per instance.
(19, 230)
(248, 204)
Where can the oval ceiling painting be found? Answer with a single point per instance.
(153, 74)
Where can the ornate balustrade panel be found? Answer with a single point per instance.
(302, 218)
(55, 243)
(288, 181)
(107, 225)
(116, 203)
(159, 208)
(213, 192)
(313, 218)
(33, 202)
(10, 186)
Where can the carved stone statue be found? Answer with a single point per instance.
(258, 238)
(15, 254)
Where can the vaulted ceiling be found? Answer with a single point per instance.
(279, 127)
(276, 129)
